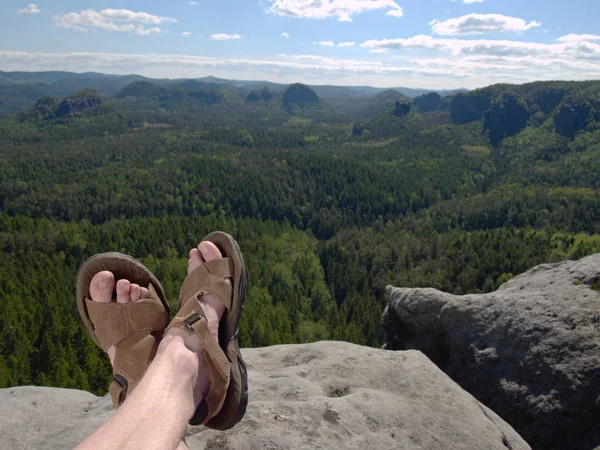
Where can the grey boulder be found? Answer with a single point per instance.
(530, 351)
(327, 395)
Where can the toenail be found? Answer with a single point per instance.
(104, 282)
(205, 254)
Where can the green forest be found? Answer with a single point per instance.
(332, 195)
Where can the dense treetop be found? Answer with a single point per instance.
(330, 202)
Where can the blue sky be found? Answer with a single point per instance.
(413, 43)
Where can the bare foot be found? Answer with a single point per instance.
(213, 309)
(102, 289)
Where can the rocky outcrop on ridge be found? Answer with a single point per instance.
(571, 117)
(264, 95)
(530, 350)
(507, 117)
(78, 104)
(428, 102)
(299, 95)
(401, 108)
(327, 395)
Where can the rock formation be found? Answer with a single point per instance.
(264, 94)
(327, 395)
(78, 104)
(571, 117)
(507, 117)
(358, 128)
(299, 95)
(465, 108)
(402, 108)
(530, 351)
(45, 107)
(428, 102)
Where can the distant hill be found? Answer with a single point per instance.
(299, 96)
(508, 109)
(410, 92)
(20, 90)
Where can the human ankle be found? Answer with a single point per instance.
(174, 354)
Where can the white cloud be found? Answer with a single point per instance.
(395, 13)
(578, 38)
(321, 9)
(125, 15)
(325, 43)
(285, 35)
(459, 47)
(224, 37)
(379, 50)
(480, 24)
(193, 2)
(186, 33)
(563, 61)
(112, 20)
(346, 44)
(472, 1)
(146, 31)
(29, 9)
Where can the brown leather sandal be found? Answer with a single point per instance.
(134, 328)
(225, 403)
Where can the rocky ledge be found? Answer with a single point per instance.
(530, 351)
(327, 395)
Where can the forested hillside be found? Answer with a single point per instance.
(19, 91)
(330, 202)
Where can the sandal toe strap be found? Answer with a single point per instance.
(114, 322)
(209, 278)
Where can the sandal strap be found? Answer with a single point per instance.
(129, 327)
(192, 319)
(114, 322)
(209, 278)
(132, 358)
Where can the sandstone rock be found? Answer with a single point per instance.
(530, 351)
(299, 95)
(327, 395)
(77, 104)
(402, 108)
(571, 117)
(358, 128)
(261, 95)
(445, 104)
(507, 117)
(467, 107)
(428, 102)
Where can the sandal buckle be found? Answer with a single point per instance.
(191, 321)
(122, 381)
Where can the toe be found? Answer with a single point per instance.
(209, 251)
(213, 308)
(143, 292)
(102, 287)
(195, 260)
(134, 292)
(123, 291)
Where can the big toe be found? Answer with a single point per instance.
(206, 251)
(102, 287)
(213, 308)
